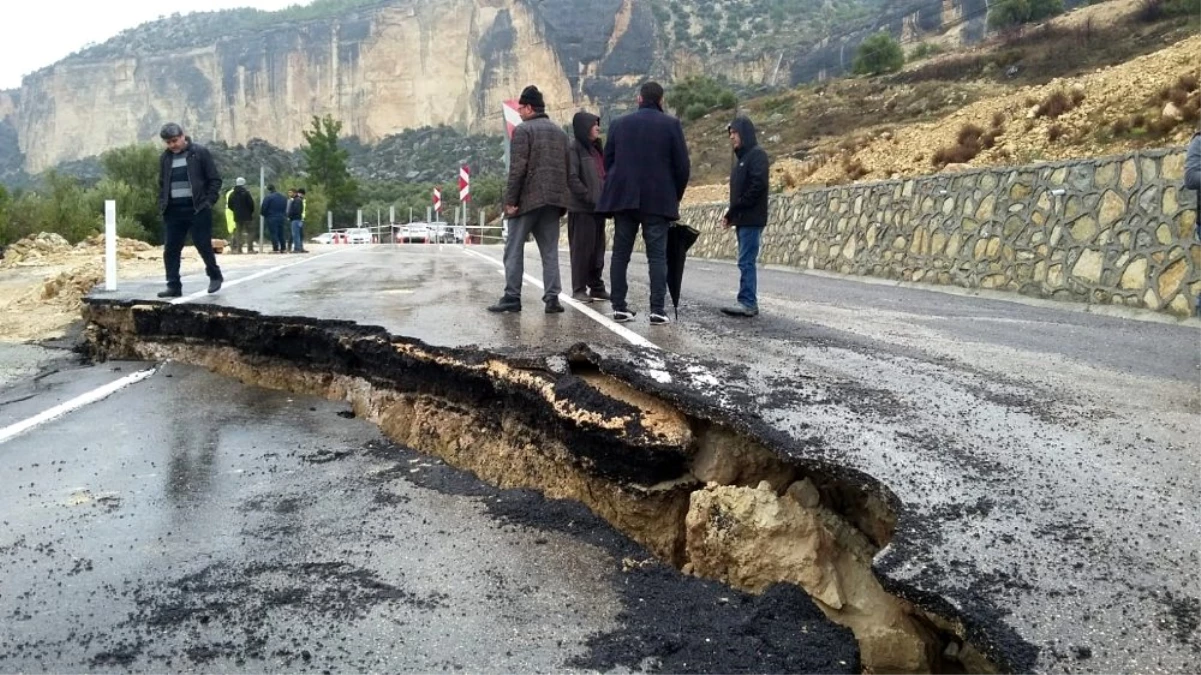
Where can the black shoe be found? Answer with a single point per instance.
(553, 306)
(170, 293)
(740, 310)
(581, 296)
(506, 305)
(214, 285)
(602, 294)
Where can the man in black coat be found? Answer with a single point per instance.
(189, 186)
(748, 210)
(646, 173)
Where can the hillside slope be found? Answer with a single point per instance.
(1116, 74)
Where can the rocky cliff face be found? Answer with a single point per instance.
(397, 65)
(383, 66)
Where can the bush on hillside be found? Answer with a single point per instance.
(1011, 15)
(878, 54)
(696, 96)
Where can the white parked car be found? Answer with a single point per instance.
(358, 235)
(323, 238)
(414, 233)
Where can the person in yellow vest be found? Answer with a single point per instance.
(239, 216)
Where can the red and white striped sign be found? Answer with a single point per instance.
(437, 200)
(464, 184)
(512, 117)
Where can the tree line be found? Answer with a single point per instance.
(74, 208)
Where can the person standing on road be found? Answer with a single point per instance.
(1193, 178)
(646, 173)
(189, 186)
(296, 215)
(586, 227)
(536, 197)
(748, 210)
(239, 203)
(275, 213)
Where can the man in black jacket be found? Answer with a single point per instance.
(646, 173)
(189, 186)
(748, 210)
(1192, 173)
(275, 212)
(586, 227)
(296, 216)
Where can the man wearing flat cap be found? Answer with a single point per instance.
(536, 197)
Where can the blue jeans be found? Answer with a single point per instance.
(298, 236)
(275, 228)
(748, 254)
(654, 235)
(178, 223)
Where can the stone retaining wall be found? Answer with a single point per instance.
(1117, 230)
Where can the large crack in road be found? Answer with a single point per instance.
(705, 490)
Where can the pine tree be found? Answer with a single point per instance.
(327, 165)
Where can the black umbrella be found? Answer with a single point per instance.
(680, 238)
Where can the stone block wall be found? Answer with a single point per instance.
(1116, 230)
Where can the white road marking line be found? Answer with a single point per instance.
(14, 430)
(629, 335)
(100, 393)
(257, 275)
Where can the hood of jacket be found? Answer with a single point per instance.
(582, 125)
(746, 131)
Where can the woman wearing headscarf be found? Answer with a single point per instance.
(585, 227)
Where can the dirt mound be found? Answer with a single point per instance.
(48, 248)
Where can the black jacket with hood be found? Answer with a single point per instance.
(583, 178)
(748, 179)
(202, 174)
(242, 204)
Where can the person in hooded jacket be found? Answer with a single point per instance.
(1193, 177)
(586, 227)
(748, 210)
(239, 210)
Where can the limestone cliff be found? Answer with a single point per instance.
(382, 69)
(384, 66)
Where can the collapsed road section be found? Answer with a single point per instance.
(705, 491)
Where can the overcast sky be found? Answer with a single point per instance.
(39, 32)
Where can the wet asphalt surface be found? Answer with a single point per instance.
(192, 524)
(1047, 461)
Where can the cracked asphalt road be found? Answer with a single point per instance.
(1047, 459)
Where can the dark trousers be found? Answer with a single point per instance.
(586, 238)
(178, 223)
(244, 236)
(654, 235)
(275, 228)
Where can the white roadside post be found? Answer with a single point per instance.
(110, 245)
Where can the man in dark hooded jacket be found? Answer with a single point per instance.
(586, 227)
(1192, 175)
(748, 210)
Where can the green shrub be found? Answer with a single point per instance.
(878, 54)
(698, 95)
